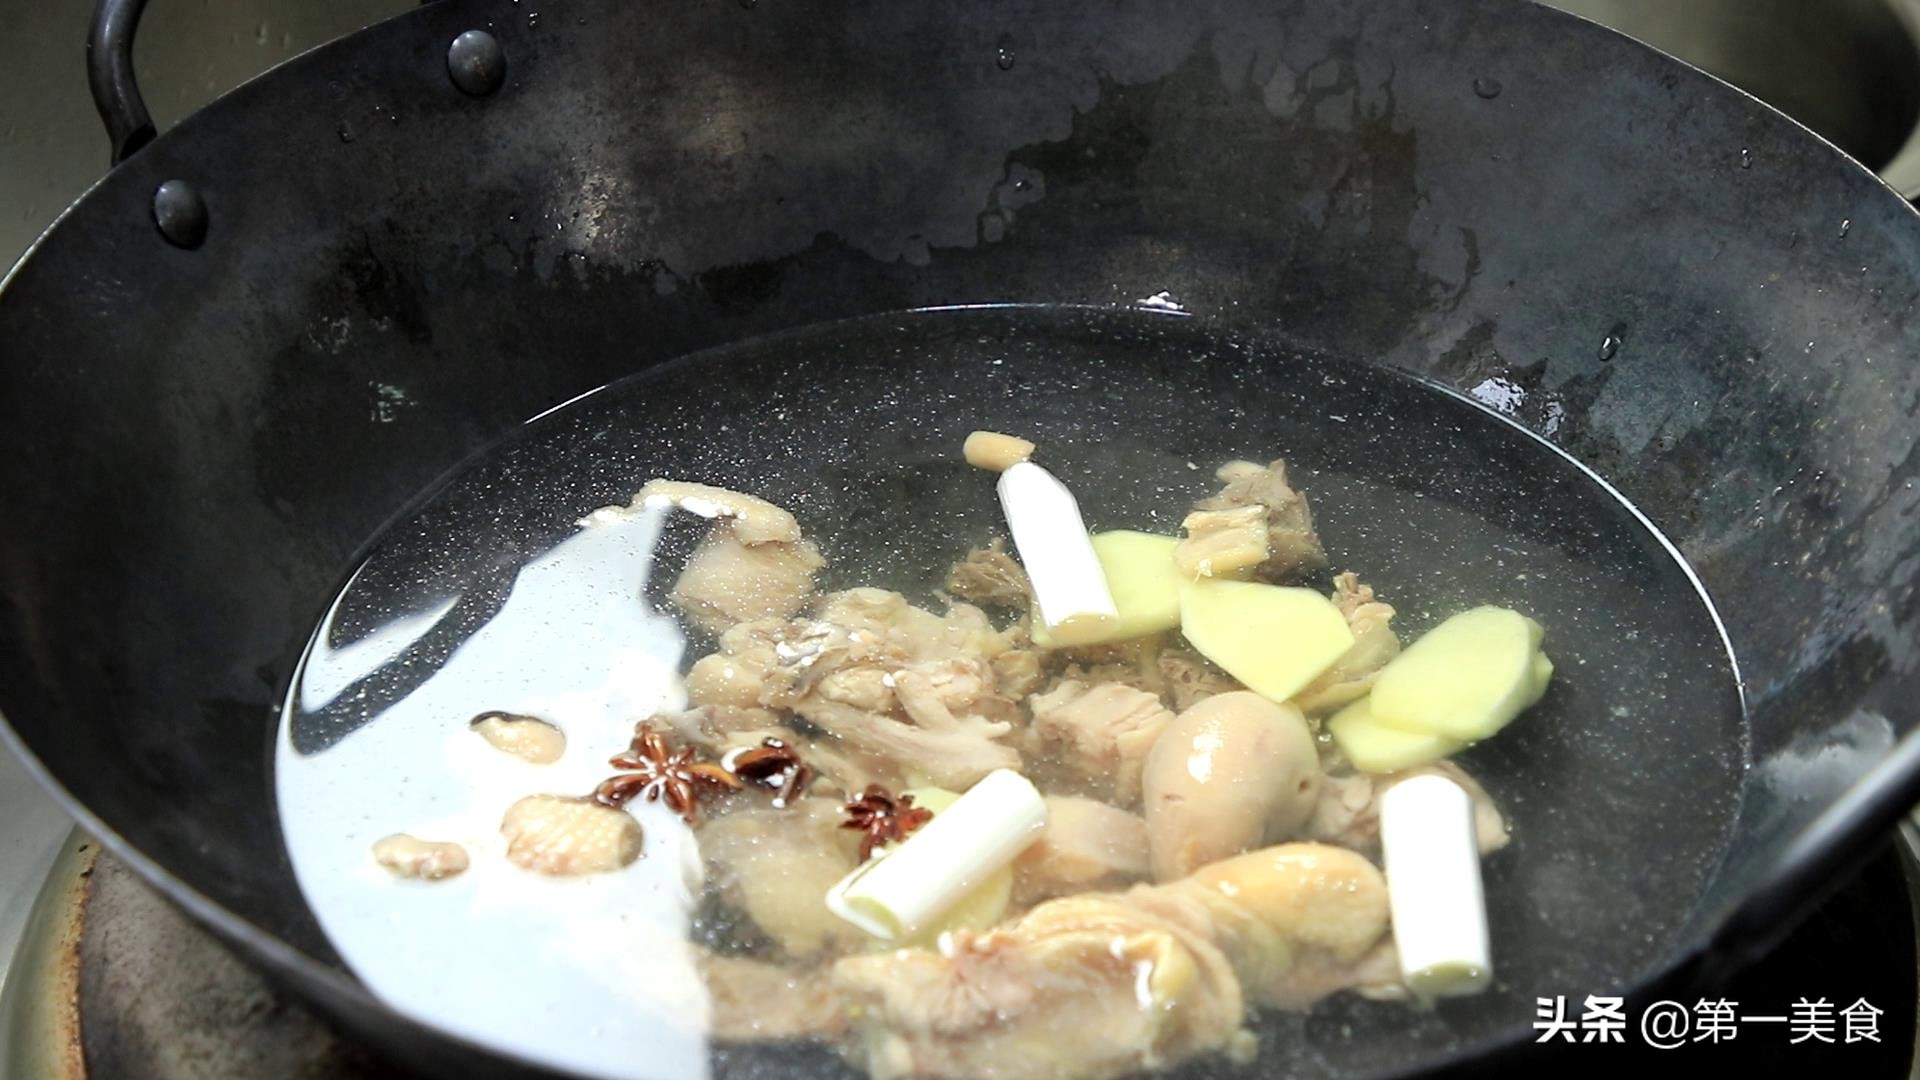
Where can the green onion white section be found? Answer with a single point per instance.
(982, 906)
(1143, 581)
(1433, 887)
(1069, 587)
(904, 890)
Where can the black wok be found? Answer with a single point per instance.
(1685, 290)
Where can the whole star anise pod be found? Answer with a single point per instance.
(883, 818)
(776, 766)
(652, 768)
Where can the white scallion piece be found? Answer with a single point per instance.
(1433, 887)
(895, 895)
(1069, 587)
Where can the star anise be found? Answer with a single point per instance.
(883, 818)
(776, 766)
(653, 769)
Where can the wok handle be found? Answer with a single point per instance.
(110, 74)
(1824, 857)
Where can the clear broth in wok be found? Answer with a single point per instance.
(482, 597)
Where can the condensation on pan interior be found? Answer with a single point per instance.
(490, 597)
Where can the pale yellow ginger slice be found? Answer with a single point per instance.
(1274, 639)
(1466, 678)
(1374, 747)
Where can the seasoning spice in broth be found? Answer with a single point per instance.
(1099, 802)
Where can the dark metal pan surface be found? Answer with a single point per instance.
(1671, 282)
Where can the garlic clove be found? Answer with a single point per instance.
(994, 452)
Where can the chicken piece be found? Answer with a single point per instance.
(1079, 988)
(755, 520)
(1086, 846)
(932, 694)
(777, 865)
(837, 769)
(955, 758)
(932, 675)
(1099, 735)
(1095, 986)
(924, 693)
(871, 688)
(754, 1001)
(1225, 776)
(1221, 543)
(1348, 812)
(990, 577)
(862, 637)
(1298, 921)
(1293, 548)
(728, 580)
(1191, 678)
(736, 675)
(690, 726)
(1016, 673)
(569, 837)
(721, 730)
(1352, 597)
(884, 623)
(1134, 663)
(750, 720)
(1374, 643)
(712, 725)
(752, 564)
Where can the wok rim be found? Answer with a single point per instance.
(1863, 816)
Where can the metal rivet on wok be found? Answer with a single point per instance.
(476, 63)
(180, 213)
